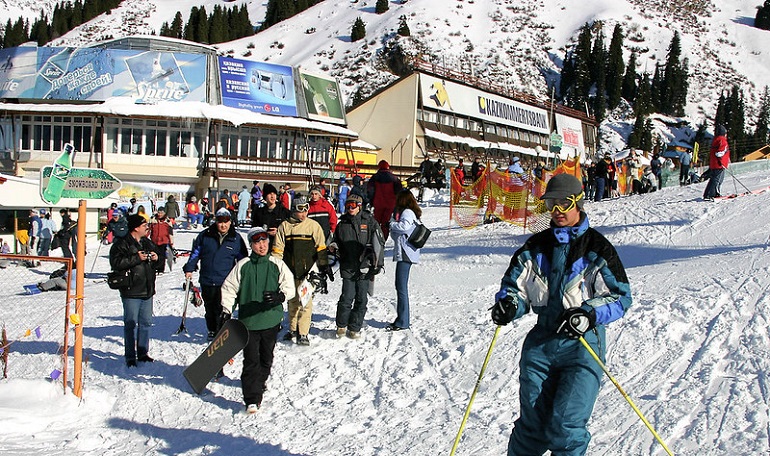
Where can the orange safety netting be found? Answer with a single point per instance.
(501, 196)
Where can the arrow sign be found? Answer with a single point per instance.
(84, 183)
(556, 140)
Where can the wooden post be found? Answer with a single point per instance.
(80, 255)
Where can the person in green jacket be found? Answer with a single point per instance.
(259, 285)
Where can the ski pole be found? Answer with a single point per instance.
(475, 390)
(187, 286)
(626, 396)
(97, 251)
(735, 179)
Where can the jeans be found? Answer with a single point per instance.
(351, 308)
(600, 182)
(402, 293)
(137, 319)
(43, 246)
(714, 187)
(195, 219)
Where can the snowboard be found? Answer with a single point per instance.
(230, 340)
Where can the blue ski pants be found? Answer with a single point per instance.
(559, 382)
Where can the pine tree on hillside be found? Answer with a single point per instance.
(673, 87)
(762, 130)
(581, 55)
(643, 105)
(735, 115)
(645, 142)
(629, 88)
(762, 19)
(403, 27)
(278, 10)
(635, 137)
(177, 26)
(615, 68)
(381, 6)
(359, 30)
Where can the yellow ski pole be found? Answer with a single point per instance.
(628, 399)
(475, 390)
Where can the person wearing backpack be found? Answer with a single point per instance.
(405, 219)
(359, 243)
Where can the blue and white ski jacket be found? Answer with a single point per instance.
(564, 267)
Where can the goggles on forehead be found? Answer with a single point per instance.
(223, 218)
(562, 205)
(263, 236)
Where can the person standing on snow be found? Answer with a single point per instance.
(405, 218)
(258, 285)
(137, 253)
(218, 248)
(719, 160)
(382, 190)
(572, 278)
(358, 240)
(244, 204)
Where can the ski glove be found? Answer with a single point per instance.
(577, 321)
(273, 298)
(504, 310)
(328, 272)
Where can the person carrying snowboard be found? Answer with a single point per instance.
(258, 285)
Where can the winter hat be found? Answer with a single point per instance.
(721, 130)
(356, 180)
(269, 188)
(562, 186)
(298, 201)
(223, 212)
(255, 231)
(516, 159)
(161, 209)
(354, 199)
(43, 212)
(135, 221)
(383, 164)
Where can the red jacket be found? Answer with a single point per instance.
(161, 231)
(322, 212)
(719, 147)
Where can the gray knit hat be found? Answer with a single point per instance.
(562, 186)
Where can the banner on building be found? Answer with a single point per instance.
(571, 131)
(466, 101)
(95, 74)
(322, 98)
(260, 87)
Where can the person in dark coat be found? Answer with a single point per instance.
(602, 176)
(382, 189)
(357, 239)
(217, 248)
(67, 234)
(360, 189)
(271, 214)
(136, 252)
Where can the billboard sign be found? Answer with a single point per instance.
(322, 98)
(95, 74)
(260, 87)
(459, 99)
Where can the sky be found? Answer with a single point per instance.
(692, 352)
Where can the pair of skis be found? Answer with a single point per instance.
(197, 300)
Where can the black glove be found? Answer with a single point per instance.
(577, 321)
(327, 271)
(273, 298)
(223, 317)
(504, 311)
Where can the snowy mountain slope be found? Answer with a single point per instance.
(512, 44)
(692, 353)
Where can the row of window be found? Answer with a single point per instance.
(167, 138)
(512, 134)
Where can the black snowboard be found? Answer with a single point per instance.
(231, 339)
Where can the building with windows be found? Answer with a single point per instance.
(165, 111)
(437, 113)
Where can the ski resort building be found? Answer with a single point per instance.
(437, 113)
(168, 116)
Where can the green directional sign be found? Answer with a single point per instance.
(556, 140)
(83, 183)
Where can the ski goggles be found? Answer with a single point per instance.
(562, 205)
(223, 218)
(302, 207)
(263, 236)
(352, 204)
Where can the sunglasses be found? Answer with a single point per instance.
(302, 207)
(562, 205)
(260, 237)
(223, 219)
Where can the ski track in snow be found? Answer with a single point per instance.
(692, 353)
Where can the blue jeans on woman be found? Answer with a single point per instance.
(402, 293)
(137, 319)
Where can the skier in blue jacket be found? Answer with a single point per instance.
(572, 278)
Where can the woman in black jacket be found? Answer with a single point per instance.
(137, 254)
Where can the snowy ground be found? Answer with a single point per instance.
(692, 353)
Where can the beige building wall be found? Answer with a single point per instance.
(388, 120)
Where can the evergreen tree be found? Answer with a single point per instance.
(177, 26)
(567, 80)
(615, 67)
(278, 10)
(381, 6)
(762, 20)
(762, 130)
(643, 105)
(358, 31)
(403, 27)
(598, 58)
(736, 124)
(216, 26)
(673, 87)
(629, 88)
(582, 58)
(720, 118)
(635, 138)
(645, 142)
(655, 90)
(40, 31)
(202, 27)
